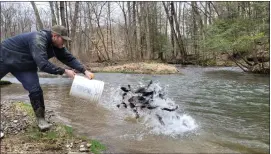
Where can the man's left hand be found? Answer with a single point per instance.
(89, 75)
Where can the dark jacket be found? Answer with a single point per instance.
(28, 51)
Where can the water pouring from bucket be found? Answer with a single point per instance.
(87, 89)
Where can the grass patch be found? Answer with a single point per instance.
(33, 133)
(57, 132)
(141, 68)
(68, 130)
(96, 147)
(26, 108)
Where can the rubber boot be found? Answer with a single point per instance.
(39, 109)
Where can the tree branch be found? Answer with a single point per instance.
(238, 64)
(215, 9)
(244, 59)
(207, 15)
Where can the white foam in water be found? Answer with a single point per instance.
(173, 126)
(176, 124)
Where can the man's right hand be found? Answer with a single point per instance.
(70, 73)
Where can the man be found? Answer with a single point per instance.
(21, 55)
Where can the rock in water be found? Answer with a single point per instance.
(83, 149)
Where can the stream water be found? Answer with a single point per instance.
(222, 110)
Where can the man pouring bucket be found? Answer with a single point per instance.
(21, 55)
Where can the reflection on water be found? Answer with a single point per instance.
(229, 107)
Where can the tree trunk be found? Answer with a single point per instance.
(86, 29)
(110, 30)
(215, 8)
(199, 36)
(210, 12)
(138, 29)
(183, 20)
(70, 14)
(172, 30)
(194, 35)
(53, 13)
(62, 13)
(127, 40)
(249, 10)
(205, 10)
(100, 59)
(130, 31)
(38, 20)
(57, 12)
(180, 12)
(74, 22)
(67, 21)
(161, 51)
(91, 31)
(78, 35)
(134, 32)
(148, 41)
(170, 19)
(179, 38)
(155, 46)
(100, 30)
(173, 33)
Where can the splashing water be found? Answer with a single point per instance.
(176, 124)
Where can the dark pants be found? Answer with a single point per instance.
(29, 80)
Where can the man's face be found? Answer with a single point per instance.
(58, 41)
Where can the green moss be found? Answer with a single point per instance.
(51, 136)
(96, 147)
(69, 130)
(26, 108)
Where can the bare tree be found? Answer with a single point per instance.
(145, 30)
(147, 24)
(138, 31)
(127, 43)
(57, 12)
(110, 29)
(194, 35)
(74, 23)
(62, 13)
(39, 23)
(53, 13)
(179, 38)
(67, 21)
(134, 25)
(97, 13)
(170, 18)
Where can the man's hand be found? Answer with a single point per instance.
(89, 75)
(70, 73)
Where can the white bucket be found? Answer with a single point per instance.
(87, 89)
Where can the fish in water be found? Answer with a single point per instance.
(142, 98)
